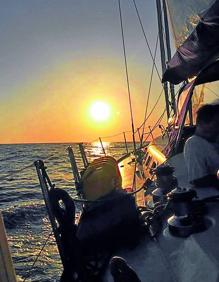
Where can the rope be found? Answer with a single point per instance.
(127, 76)
(136, 191)
(38, 255)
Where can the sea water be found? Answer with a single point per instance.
(23, 207)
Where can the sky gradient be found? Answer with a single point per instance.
(58, 57)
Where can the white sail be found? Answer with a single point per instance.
(184, 16)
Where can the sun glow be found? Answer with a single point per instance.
(100, 111)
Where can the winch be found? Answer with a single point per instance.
(185, 220)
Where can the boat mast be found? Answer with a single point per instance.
(163, 54)
(168, 49)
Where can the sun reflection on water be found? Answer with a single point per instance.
(97, 149)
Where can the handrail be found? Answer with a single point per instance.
(83, 155)
(101, 143)
(74, 166)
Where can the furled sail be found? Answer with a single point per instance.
(201, 46)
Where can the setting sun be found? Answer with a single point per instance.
(100, 111)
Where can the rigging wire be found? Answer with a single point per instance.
(15, 172)
(146, 40)
(105, 137)
(153, 59)
(111, 136)
(127, 76)
(154, 64)
(38, 255)
(149, 91)
(156, 125)
(95, 140)
(160, 118)
(155, 105)
(4, 177)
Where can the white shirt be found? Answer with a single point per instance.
(201, 158)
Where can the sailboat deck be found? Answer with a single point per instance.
(169, 258)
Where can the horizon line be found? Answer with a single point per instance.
(70, 142)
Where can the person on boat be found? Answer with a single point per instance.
(201, 151)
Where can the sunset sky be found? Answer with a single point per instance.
(59, 57)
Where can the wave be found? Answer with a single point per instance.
(8, 158)
(17, 216)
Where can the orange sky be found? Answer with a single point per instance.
(60, 59)
(57, 59)
(55, 106)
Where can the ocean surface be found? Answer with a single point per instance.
(22, 204)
